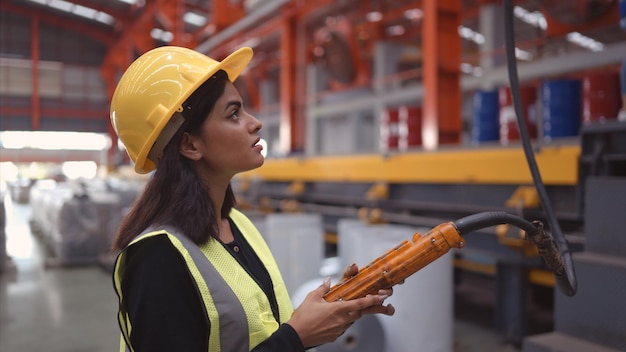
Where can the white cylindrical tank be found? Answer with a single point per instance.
(424, 317)
(297, 243)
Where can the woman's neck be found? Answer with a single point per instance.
(226, 234)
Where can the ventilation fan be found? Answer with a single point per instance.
(338, 50)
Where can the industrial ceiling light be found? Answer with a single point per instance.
(194, 19)
(78, 10)
(396, 30)
(374, 16)
(159, 34)
(585, 42)
(523, 54)
(471, 69)
(61, 5)
(83, 11)
(414, 14)
(466, 67)
(470, 34)
(104, 18)
(535, 18)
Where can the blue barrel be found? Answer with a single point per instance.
(486, 126)
(562, 108)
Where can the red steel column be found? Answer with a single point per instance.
(289, 124)
(34, 53)
(227, 12)
(442, 59)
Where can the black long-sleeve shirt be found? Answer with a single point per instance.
(165, 311)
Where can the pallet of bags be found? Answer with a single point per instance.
(127, 191)
(81, 232)
(46, 198)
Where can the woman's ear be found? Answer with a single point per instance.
(188, 147)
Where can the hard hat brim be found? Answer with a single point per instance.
(234, 64)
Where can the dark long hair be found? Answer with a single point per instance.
(175, 195)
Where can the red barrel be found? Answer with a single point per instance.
(389, 129)
(409, 127)
(508, 122)
(601, 97)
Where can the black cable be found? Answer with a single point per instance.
(534, 232)
(567, 283)
(479, 221)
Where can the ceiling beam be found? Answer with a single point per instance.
(106, 9)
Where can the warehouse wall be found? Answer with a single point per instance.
(71, 92)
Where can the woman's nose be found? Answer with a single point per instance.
(256, 124)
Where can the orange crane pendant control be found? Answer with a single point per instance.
(398, 263)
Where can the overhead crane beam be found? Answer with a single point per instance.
(245, 23)
(256, 25)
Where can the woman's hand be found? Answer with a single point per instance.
(317, 321)
(352, 270)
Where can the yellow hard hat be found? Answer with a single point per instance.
(152, 91)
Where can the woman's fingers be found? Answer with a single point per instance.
(387, 291)
(381, 309)
(360, 304)
(350, 270)
(370, 304)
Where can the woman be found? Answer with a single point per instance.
(194, 274)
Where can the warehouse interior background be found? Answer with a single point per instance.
(380, 119)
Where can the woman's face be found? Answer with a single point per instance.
(228, 140)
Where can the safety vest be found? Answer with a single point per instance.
(233, 300)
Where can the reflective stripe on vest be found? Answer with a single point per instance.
(230, 329)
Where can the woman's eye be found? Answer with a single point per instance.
(234, 114)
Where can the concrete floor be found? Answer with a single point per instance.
(52, 309)
(59, 309)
